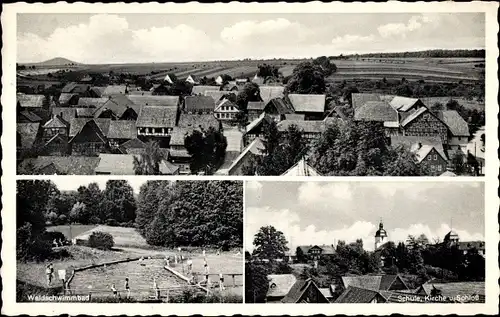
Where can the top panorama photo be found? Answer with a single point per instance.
(344, 94)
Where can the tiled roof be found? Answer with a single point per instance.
(114, 90)
(421, 146)
(200, 90)
(467, 245)
(256, 105)
(373, 282)
(375, 111)
(298, 290)
(167, 168)
(195, 121)
(295, 116)
(178, 135)
(122, 129)
(457, 125)
(131, 144)
(403, 103)
(156, 117)
(354, 294)
(68, 165)
(179, 153)
(85, 102)
(456, 288)
(270, 92)
(257, 122)
(30, 101)
(68, 88)
(66, 97)
(448, 174)
(359, 99)
(199, 103)
(216, 95)
(301, 168)
(307, 126)
(280, 284)
(281, 105)
(166, 101)
(116, 164)
(30, 116)
(227, 103)
(56, 122)
(256, 147)
(77, 124)
(85, 112)
(66, 113)
(118, 104)
(307, 103)
(28, 133)
(413, 115)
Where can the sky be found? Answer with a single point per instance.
(143, 38)
(325, 212)
(72, 183)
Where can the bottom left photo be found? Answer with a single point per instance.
(129, 241)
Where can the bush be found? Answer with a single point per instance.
(101, 240)
(62, 219)
(31, 247)
(95, 220)
(112, 222)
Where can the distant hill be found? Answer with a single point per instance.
(58, 61)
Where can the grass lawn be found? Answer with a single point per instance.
(122, 236)
(72, 232)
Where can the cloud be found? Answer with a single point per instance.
(289, 223)
(251, 31)
(402, 29)
(349, 40)
(107, 38)
(311, 193)
(181, 39)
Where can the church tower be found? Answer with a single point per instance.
(380, 235)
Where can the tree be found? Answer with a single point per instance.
(437, 106)
(190, 213)
(347, 93)
(207, 150)
(457, 162)
(301, 257)
(327, 67)
(78, 213)
(256, 282)
(270, 243)
(266, 70)
(91, 196)
(32, 197)
(118, 201)
(148, 163)
(306, 79)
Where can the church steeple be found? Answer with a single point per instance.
(380, 235)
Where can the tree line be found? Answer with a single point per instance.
(190, 213)
(477, 53)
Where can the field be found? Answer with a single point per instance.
(72, 231)
(427, 69)
(128, 237)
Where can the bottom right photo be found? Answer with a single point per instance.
(364, 242)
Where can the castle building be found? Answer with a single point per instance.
(452, 239)
(380, 236)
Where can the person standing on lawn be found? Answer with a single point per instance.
(127, 287)
(114, 290)
(49, 271)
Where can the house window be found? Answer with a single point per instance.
(429, 157)
(433, 167)
(439, 168)
(435, 157)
